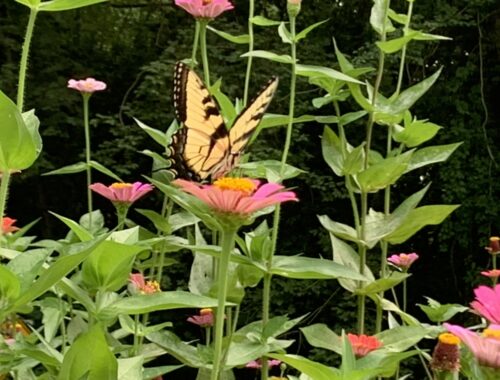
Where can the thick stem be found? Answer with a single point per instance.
(228, 239)
(204, 54)
(251, 11)
(86, 126)
(194, 62)
(23, 66)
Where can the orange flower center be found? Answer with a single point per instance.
(206, 311)
(243, 185)
(121, 185)
(491, 333)
(206, 2)
(494, 238)
(447, 338)
(151, 287)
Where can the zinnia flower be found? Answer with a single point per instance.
(362, 345)
(493, 273)
(120, 192)
(257, 364)
(87, 86)
(8, 225)
(237, 198)
(403, 260)
(494, 247)
(487, 303)
(485, 347)
(207, 9)
(204, 319)
(138, 285)
(446, 355)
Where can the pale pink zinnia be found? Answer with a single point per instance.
(207, 9)
(122, 192)
(204, 319)
(257, 364)
(139, 285)
(87, 86)
(485, 347)
(363, 344)
(237, 196)
(403, 260)
(493, 273)
(487, 303)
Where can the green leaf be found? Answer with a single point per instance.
(331, 147)
(381, 363)
(146, 303)
(29, 3)
(419, 218)
(159, 136)
(99, 167)
(130, 368)
(263, 21)
(383, 173)
(269, 55)
(354, 161)
(383, 284)
(20, 143)
(311, 268)
(269, 169)
(241, 39)
(303, 33)
(227, 108)
(341, 230)
(401, 338)
(10, 287)
(398, 17)
(89, 358)
(273, 120)
(312, 369)
(284, 33)
(65, 5)
(69, 169)
(79, 231)
(27, 265)
(415, 133)
(319, 335)
(378, 20)
(320, 71)
(439, 313)
(396, 44)
(431, 155)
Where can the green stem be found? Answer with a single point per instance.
(121, 214)
(86, 125)
(494, 264)
(135, 349)
(4, 192)
(291, 108)
(362, 263)
(194, 62)
(23, 66)
(204, 54)
(403, 51)
(228, 239)
(63, 326)
(404, 295)
(251, 11)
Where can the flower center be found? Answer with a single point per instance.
(243, 185)
(494, 238)
(206, 2)
(120, 185)
(206, 311)
(491, 333)
(448, 338)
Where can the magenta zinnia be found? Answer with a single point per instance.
(120, 192)
(240, 197)
(403, 260)
(87, 86)
(487, 303)
(207, 9)
(204, 319)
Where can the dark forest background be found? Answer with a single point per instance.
(133, 45)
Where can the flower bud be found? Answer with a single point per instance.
(293, 7)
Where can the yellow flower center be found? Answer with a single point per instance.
(243, 185)
(206, 311)
(494, 238)
(120, 185)
(491, 333)
(447, 338)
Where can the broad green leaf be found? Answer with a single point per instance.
(303, 33)
(99, 167)
(146, 303)
(69, 169)
(161, 224)
(89, 358)
(20, 144)
(159, 136)
(378, 17)
(273, 120)
(311, 268)
(227, 108)
(269, 169)
(383, 173)
(331, 147)
(10, 287)
(383, 284)
(33, 124)
(431, 155)
(415, 133)
(319, 335)
(341, 230)
(284, 33)
(401, 338)
(151, 373)
(263, 21)
(53, 310)
(348, 359)
(419, 218)
(400, 18)
(354, 161)
(65, 5)
(241, 39)
(316, 371)
(439, 313)
(130, 368)
(396, 44)
(381, 363)
(27, 265)
(29, 3)
(320, 71)
(269, 55)
(79, 231)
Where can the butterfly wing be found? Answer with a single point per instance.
(202, 143)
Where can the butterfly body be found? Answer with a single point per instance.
(203, 148)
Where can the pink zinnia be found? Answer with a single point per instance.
(403, 260)
(485, 347)
(493, 273)
(257, 364)
(204, 319)
(237, 196)
(122, 192)
(207, 9)
(8, 225)
(487, 303)
(87, 86)
(362, 344)
(138, 285)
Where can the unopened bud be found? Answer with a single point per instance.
(293, 8)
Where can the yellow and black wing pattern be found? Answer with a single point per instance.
(203, 149)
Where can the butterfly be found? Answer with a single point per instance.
(204, 149)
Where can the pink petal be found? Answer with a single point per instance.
(103, 190)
